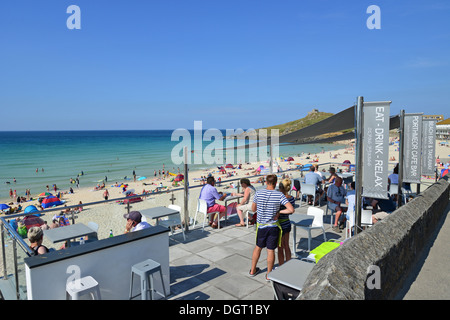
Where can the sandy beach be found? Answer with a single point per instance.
(109, 216)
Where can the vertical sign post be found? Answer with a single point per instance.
(376, 149)
(412, 164)
(400, 157)
(428, 146)
(358, 164)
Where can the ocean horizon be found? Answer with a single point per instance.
(36, 159)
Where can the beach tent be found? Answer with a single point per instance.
(346, 162)
(444, 172)
(290, 159)
(30, 209)
(32, 221)
(179, 177)
(229, 166)
(51, 201)
(141, 178)
(4, 206)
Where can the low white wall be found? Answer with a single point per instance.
(110, 266)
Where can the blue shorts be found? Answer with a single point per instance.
(267, 237)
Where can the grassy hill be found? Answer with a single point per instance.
(291, 126)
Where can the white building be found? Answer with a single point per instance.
(443, 129)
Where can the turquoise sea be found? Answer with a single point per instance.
(113, 154)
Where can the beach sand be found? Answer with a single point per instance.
(109, 216)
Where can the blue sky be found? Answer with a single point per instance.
(162, 64)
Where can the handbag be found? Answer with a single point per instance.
(231, 208)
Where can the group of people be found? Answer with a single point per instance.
(272, 208)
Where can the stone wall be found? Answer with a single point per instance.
(391, 245)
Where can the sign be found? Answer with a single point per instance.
(375, 136)
(412, 155)
(428, 146)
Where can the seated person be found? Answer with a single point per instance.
(210, 195)
(336, 196)
(134, 222)
(381, 208)
(313, 178)
(35, 236)
(247, 200)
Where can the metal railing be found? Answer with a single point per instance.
(8, 231)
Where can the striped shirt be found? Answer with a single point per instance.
(268, 203)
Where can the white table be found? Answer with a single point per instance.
(67, 233)
(158, 212)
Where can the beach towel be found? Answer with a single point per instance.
(323, 249)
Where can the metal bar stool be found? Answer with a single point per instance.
(79, 287)
(145, 271)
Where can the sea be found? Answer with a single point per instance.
(36, 159)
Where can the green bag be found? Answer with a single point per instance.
(22, 231)
(323, 249)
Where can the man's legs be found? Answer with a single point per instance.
(270, 259)
(255, 258)
(338, 214)
(216, 207)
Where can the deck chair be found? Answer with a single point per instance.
(317, 223)
(202, 208)
(173, 221)
(307, 190)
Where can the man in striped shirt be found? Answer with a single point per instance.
(266, 204)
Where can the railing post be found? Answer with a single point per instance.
(358, 164)
(16, 272)
(186, 190)
(5, 273)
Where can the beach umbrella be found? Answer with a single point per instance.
(30, 209)
(222, 171)
(4, 206)
(44, 194)
(179, 177)
(51, 201)
(229, 166)
(32, 221)
(347, 162)
(444, 172)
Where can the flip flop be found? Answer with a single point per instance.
(239, 225)
(256, 272)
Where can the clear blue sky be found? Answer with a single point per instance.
(161, 64)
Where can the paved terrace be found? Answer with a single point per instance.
(214, 264)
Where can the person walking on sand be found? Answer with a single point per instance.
(106, 194)
(267, 203)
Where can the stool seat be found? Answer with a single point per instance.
(145, 271)
(79, 287)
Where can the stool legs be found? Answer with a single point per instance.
(147, 286)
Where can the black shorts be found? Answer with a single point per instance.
(268, 237)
